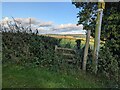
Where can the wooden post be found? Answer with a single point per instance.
(97, 37)
(55, 48)
(86, 50)
(78, 44)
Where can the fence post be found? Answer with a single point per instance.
(86, 50)
(55, 48)
(78, 44)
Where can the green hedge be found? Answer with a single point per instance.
(24, 48)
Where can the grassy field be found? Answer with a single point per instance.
(72, 43)
(71, 38)
(16, 76)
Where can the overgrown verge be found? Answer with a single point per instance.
(28, 49)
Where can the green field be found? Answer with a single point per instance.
(16, 76)
(71, 39)
(73, 43)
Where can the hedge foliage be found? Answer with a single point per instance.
(24, 48)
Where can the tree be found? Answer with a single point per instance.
(110, 25)
(86, 49)
(85, 17)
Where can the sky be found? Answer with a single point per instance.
(58, 15)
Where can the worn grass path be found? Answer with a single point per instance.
(16, 76)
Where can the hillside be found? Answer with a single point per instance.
(69, 36)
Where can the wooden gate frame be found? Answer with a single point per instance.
(66, 54)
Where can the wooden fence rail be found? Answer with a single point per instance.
(69, 57)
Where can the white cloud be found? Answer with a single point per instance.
(45, 24)
(66, 32)
(27, 21)
(46, 27)
(68, 27)
(6, 19)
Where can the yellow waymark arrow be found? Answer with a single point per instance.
(101, 5)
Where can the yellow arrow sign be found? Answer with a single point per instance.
(101, 5)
